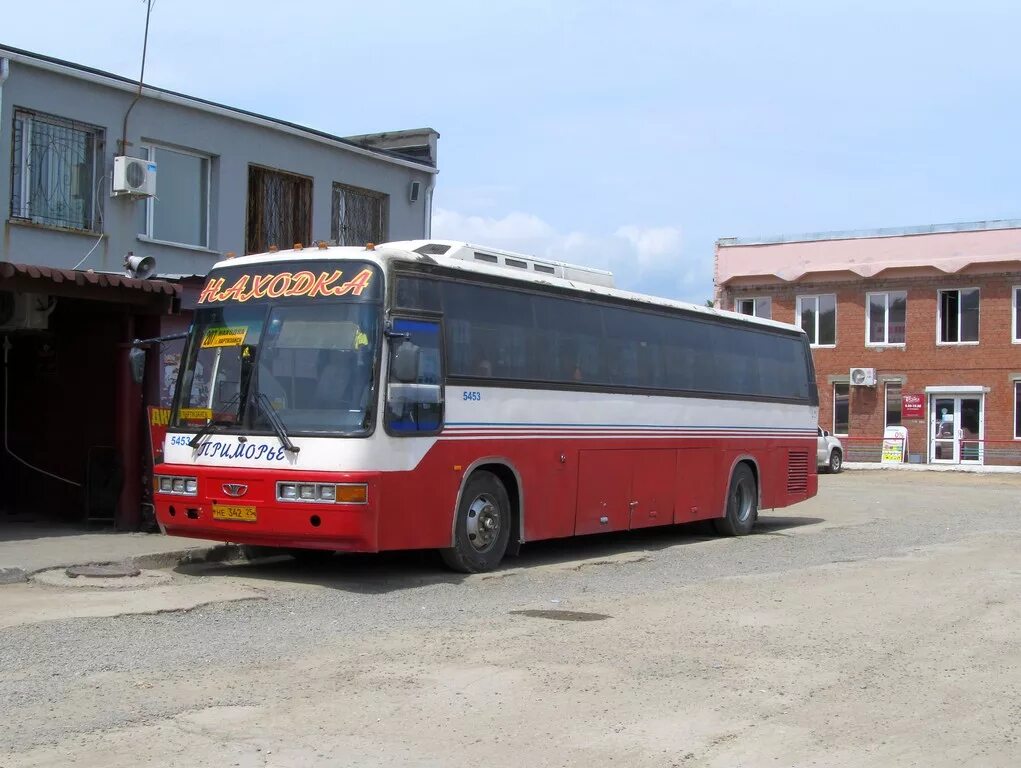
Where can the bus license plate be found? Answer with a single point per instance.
(234, 512)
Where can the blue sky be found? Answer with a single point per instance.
(623, 135)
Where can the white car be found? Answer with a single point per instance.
(829, 452)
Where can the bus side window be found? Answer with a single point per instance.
(414, 398)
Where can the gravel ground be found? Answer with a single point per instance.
(873, 625)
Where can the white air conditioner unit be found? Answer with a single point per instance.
(25, 311)
(863, 377)
(134, 176)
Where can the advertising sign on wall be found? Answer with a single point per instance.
(159, 420)
(912, 406)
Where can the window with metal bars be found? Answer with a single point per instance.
(279, 209)
(359, 216)
(56, 168)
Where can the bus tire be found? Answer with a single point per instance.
(482, 527)
(742, 504)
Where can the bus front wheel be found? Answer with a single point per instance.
(742, 504)
(482, 527)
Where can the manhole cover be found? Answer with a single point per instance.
(103, 571)
(559, 615)
(102, 577)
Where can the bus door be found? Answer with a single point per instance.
(414, 397)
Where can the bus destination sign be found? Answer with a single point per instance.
(290, 284)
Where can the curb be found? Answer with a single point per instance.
(218, 553)
(13, 575)
(980, 469)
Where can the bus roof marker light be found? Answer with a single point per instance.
(370, 246)
(298, 246)
(272, 249)
(323, 245)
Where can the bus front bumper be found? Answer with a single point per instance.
(241, 506)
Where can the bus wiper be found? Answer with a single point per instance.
(278, 426)
(213, 424)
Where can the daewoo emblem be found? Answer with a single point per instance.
(235, 489)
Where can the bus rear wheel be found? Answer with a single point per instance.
(742, 504)
(482, 527)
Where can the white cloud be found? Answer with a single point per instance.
(657, 248)
(646, 259)
(514, 228)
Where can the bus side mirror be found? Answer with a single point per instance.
(136, 360)
(404, 364)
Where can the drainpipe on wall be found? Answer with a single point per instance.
(5, 72)
(429, 211)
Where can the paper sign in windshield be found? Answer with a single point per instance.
(224, 337)
(195, 414)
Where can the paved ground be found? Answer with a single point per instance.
(28, 547)
(877, 625)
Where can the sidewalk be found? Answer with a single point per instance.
(978, 469)
(26, 548)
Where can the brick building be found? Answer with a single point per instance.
(932, 314)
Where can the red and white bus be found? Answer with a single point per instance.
(427, 394)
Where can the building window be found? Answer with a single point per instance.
(958, 316)
(893, 404)
(841, 408)
(56, 166)
(885, 322)
(358, 216)
(1017, 410)
(180, 212)
(279, 210)
(817, 315)
(1017, 315)
(761, 306)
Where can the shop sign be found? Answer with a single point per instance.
(912, 406)
(159, 419)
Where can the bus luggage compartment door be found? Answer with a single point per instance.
(604, 491)
(653, 487)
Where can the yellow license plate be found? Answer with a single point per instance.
(234, 512)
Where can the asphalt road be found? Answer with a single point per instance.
(876, 625)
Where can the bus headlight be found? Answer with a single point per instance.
(324, 493)
(177, 485)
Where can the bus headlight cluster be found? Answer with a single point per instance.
(181, 486)
(324, 493)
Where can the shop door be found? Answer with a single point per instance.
(956, 429)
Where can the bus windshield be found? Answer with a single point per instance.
(311, 363)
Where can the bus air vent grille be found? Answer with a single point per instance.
(797, 472)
